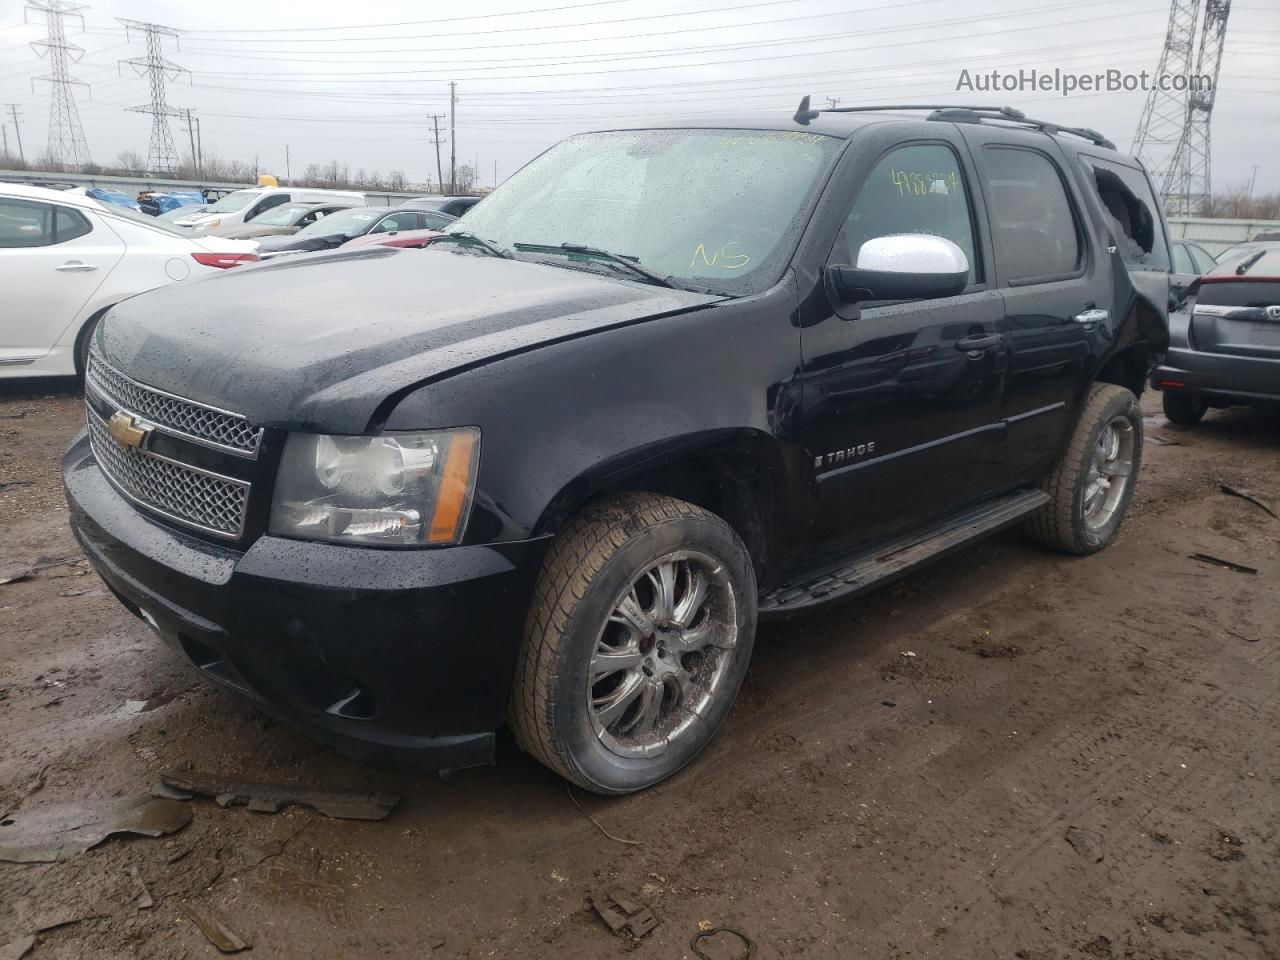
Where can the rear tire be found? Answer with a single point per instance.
(1091, 487)
(637, 640)
(1184, 408)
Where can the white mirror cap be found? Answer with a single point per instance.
(912, 253)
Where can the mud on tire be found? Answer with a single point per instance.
(1064, 522)
(620, 586)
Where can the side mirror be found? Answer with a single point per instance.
(904, 266)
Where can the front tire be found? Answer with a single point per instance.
(1091, 487)
(1184, 408)
(637, 641)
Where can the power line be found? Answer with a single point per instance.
(162, 157)
(412, 23)
(67, 144)
(543, 26)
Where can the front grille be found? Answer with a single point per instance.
(187, 495)
(193, 421)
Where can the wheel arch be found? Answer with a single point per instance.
(735, 474)
(1141, 345)
(86, 329)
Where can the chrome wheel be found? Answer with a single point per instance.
(662, 653)
(1110, 473)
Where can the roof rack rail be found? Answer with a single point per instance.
(957, 113)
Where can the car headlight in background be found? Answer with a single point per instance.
(397, 489)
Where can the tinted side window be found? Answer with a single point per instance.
(914, 189)
(266, 203)
(436, 221)
(25, 224)
(1034, 229)
(69, 224)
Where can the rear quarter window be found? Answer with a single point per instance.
(1132, 213)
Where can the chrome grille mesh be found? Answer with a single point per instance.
(187, 495)
(183, 417)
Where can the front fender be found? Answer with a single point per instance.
(562, 422)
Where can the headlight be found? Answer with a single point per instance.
(398, 489)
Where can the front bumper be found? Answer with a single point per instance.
(409, 653)
(1219, 376)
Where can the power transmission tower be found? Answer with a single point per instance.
(67, 145)
(435, 125)
(453, 139)
(834, 101)
(1188, 186)
(17, 132)
(1173, 135)
(163, 155)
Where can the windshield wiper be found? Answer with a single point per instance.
(1245, 264)
(462, 235)
(631, 263)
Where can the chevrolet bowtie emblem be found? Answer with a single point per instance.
(125, 430)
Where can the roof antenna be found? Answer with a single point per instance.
(803, 114)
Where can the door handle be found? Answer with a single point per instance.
(1092, 315)
(977, 342)
(76, 266)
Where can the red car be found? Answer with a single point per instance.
(398, 238)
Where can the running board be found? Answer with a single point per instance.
(859, 572)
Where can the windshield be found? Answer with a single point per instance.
(720, 208)
(346, 223)
(234, 202)
(282, 215)
(179, 213)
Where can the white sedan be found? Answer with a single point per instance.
(65, 259)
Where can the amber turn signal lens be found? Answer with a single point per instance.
(455, 488)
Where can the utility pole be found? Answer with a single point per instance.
(163, 155)
(1252, 177)
(287, 175)
(191, 135)
(17, 132)
(67, 145)
(453, 139)
(435, 124)
(833, 102)
(199, 149)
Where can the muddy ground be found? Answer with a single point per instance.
(1013, 754)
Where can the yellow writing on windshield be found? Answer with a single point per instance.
(722, 258)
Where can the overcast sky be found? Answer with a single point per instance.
(358, 82)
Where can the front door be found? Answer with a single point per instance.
(52, 259)
(902, 400)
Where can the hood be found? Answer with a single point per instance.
(319, 342)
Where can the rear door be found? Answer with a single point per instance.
(52, 259)
(1056, 294)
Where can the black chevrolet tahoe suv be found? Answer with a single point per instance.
(552, 469)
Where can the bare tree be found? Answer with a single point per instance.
(395, 180)
(466, 178)
(1236, 204)
(131, 162)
